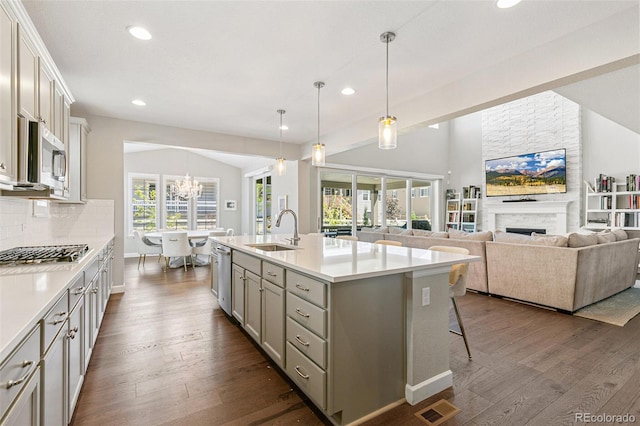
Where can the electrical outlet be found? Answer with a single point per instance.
(426, 297)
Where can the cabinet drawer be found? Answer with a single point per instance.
(15, 371)
(307, 288)
(273, 273)
(308, 376)
(312, 317)
(247, 262)
(53, 322)
(76, 290)
(308, 343)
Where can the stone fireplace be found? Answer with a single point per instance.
(548, 215)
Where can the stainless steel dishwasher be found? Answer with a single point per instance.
(224, 277)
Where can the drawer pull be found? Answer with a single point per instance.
(304, 376)
(12, 383)
(78, 290)
(272, 274)
(302, 342)
(61, 320)
(302, 314)
(72, 333)
(298, 286)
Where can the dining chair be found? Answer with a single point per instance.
(145, 247)
(230, 231)
(204, 249)
(176, 244)
(389, 243)
(457, 286)
(347, 237)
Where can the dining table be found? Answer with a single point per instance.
(194, 236)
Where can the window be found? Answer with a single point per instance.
(413, 193)
(196, 213)
(424, 192)
(366, 196)
(142, 202)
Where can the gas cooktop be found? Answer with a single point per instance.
(42, 254)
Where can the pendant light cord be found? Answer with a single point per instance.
(387, 82)
(319, 86)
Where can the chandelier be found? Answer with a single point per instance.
(186, 188)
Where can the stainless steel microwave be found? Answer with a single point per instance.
(42, 159)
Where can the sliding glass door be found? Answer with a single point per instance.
(262, 204)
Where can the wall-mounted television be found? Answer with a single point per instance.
(527, 174)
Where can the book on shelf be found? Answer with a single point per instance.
(451, 194)
(470, 191)
(604, 183)
(633, 182)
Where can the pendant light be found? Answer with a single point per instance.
(387, 125)
(281, 166)
(317, 150)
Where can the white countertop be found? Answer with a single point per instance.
(336, 260)
(27, 292)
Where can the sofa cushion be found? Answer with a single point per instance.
(407, 232)
(605, 237)
(394, 230)
(578, 240)
(423, 233)
(537, 240)
(383, 230)
(620, 234)
(477, 236)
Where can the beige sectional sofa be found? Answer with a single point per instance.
(566, 278)
(475, 243)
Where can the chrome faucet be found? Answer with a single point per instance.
(295, 238)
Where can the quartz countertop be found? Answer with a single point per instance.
(336, 260)
(27, 292)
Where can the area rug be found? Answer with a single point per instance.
(617, 309)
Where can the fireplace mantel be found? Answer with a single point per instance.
(557, 208)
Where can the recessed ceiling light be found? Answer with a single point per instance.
(348, 91)
(504, 4)
(139, 33)
(139, 102)
(284, 127)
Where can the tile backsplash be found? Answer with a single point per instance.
(64, 223)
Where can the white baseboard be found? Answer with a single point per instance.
(416, 393)
(117, 289)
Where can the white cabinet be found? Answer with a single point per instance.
(8, 140)
(75, 356)
(53, 378)
(78, 130)
(253, 313)
(26, 409)
(45, 96)
(617, 208)
(273, 321)
(237, 293)
(27, 77)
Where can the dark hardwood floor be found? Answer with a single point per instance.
(166, 354)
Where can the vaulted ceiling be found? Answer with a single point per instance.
(227, 66)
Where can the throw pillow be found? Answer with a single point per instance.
(476, 236)
(381, 230)
(606, 237)
(510, 237)
(578, 240)
(407, 232)
(540, 240)
(620, 234)
(551, 240)
(585, 231)
(423, 233)
(393, 230)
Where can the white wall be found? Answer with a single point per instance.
(286, 185)
(177, 162)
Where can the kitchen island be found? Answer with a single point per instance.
(359, 327)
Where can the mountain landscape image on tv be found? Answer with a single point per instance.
(527, 174)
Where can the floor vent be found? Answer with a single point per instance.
(437, 412)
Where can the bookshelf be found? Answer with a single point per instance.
(453, 210)
(609, 204)
(469, 215)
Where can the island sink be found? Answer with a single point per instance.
(270, 247)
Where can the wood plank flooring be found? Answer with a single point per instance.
(167, 355)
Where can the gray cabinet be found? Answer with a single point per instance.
(253, 313)
(8, 145)
(45, 96)
(26, 409)
(237, 293)
(273, 321)
(53, 378)
(77, 130)
(27, 77)
(214, 272)
(75, 357)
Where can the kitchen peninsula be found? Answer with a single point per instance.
(359, 327)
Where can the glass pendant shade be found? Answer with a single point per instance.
(387, 132)
(281, 166)
(187, 188)
(317, 154)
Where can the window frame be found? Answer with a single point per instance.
(131, 176)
